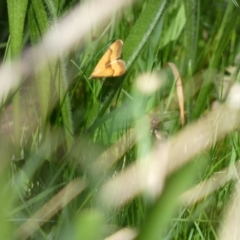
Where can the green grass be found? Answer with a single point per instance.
(82, 159)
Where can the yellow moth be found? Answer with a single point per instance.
(110, 65)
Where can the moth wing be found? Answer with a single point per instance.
(103, 68)
(113, 69)
(119, 68)
(116, 49)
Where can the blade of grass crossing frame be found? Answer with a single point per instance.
(191, 34)
(16, 16)
(38, 22)
(54, 71)
(62, 86)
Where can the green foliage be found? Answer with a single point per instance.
(64, 137)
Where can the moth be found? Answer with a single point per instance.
(110, 65)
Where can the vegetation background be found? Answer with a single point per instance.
(152, 154)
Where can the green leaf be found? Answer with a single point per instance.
(191, 34)
(39, 23)
(175, 28)
(16, 16)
